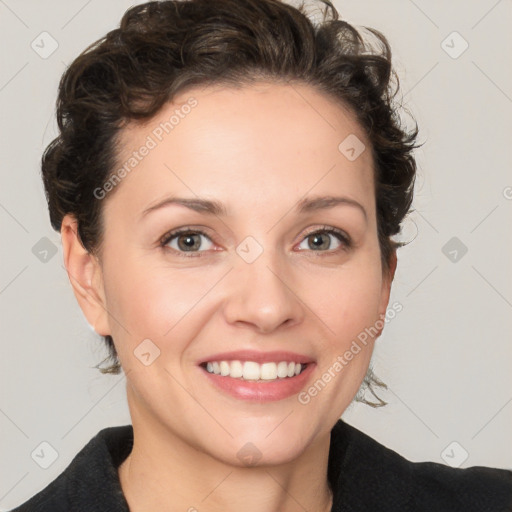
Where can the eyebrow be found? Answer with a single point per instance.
(211, 207)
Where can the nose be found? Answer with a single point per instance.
(263, 295)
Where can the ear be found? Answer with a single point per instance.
(85, 274)
(387, 280)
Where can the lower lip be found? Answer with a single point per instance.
(261, 391)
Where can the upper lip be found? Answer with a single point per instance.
(258, 357)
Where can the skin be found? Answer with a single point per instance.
(258, 149)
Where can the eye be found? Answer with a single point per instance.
(187, 240)
(319, 240)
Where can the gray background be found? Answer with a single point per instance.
(446, 357)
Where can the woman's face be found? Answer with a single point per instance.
(266, 282)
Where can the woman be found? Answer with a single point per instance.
(226, 182)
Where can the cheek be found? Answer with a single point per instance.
(348, 303)
(149, 302)
(349, 315)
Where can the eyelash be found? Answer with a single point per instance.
(340, 235)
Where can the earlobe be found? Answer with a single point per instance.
(85, 276)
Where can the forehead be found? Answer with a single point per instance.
(263, 140)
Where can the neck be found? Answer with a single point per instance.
(161, 473)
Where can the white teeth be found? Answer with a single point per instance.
(268, 371)
(250, 370)
(236, 369)
(224, 368)
(282, 369)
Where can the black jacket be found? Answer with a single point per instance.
(364, 475)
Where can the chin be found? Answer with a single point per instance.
(260, 445)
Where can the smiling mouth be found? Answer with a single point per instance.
(253, 371)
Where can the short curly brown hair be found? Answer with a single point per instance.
(163, 47)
